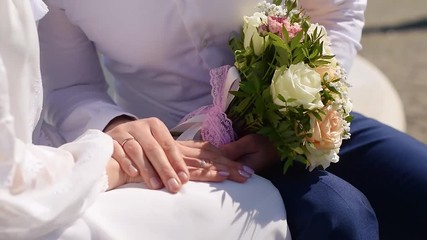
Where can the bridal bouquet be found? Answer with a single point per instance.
(286, 84)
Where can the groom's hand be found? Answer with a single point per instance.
(117, 177)
(254, 150)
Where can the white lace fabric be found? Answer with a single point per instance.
(41, 188)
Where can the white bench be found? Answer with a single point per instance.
(374, 96)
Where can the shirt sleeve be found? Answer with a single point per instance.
(344, 21)
(45, 188)
(76, 97)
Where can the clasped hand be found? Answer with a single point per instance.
(145, 150)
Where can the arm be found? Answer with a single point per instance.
(76, 97)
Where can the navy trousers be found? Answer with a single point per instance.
(378, 189)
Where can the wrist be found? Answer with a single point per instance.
(117, 121)
(116, 177)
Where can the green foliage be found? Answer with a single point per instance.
(277, 2)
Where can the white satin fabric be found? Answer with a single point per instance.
(58, 193)
(41, 188)
(159, 52)
(211, 211)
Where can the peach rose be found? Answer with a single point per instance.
(327, 134)
(330, 69)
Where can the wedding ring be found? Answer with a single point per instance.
(125, 141)
(202, 163)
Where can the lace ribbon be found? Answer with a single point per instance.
(210, 123)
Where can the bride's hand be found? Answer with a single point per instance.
(208, 163)
(145, 146)
(116, 176)
(254, 150)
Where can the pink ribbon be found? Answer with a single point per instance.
(210, 123)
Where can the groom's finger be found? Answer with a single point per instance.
(165, 140)
(135, 152)
(238, 148)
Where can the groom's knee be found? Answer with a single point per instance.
(320, 205)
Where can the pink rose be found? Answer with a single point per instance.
(276, 24)
(327, 134)
(293, 30)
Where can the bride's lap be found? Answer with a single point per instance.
(228, 210)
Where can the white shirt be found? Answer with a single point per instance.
(159, 52)
(41, 188)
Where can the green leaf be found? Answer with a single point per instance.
(296, 40)
(281, 98)
(349, 118)
(277, 2)
(317, 115)
(332, 89)
(265, 131)
(287, 165)
(238, 94)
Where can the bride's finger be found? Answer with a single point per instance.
(194, 162)
(207, 174)
(207, 155)
(238, 171)
(125, 163)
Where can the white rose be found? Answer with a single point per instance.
(322, 158)
(250, 30)
(299, 82)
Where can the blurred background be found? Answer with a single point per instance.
(395, 41)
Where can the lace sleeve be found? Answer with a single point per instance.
(51, 187)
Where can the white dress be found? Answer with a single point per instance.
(58, 193)
(41, 188)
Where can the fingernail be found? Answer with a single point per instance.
(183, 176)
(244, 174)
(248, 170)
(173, 185)
(224, 173)
(155, 184)
(133, 171)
